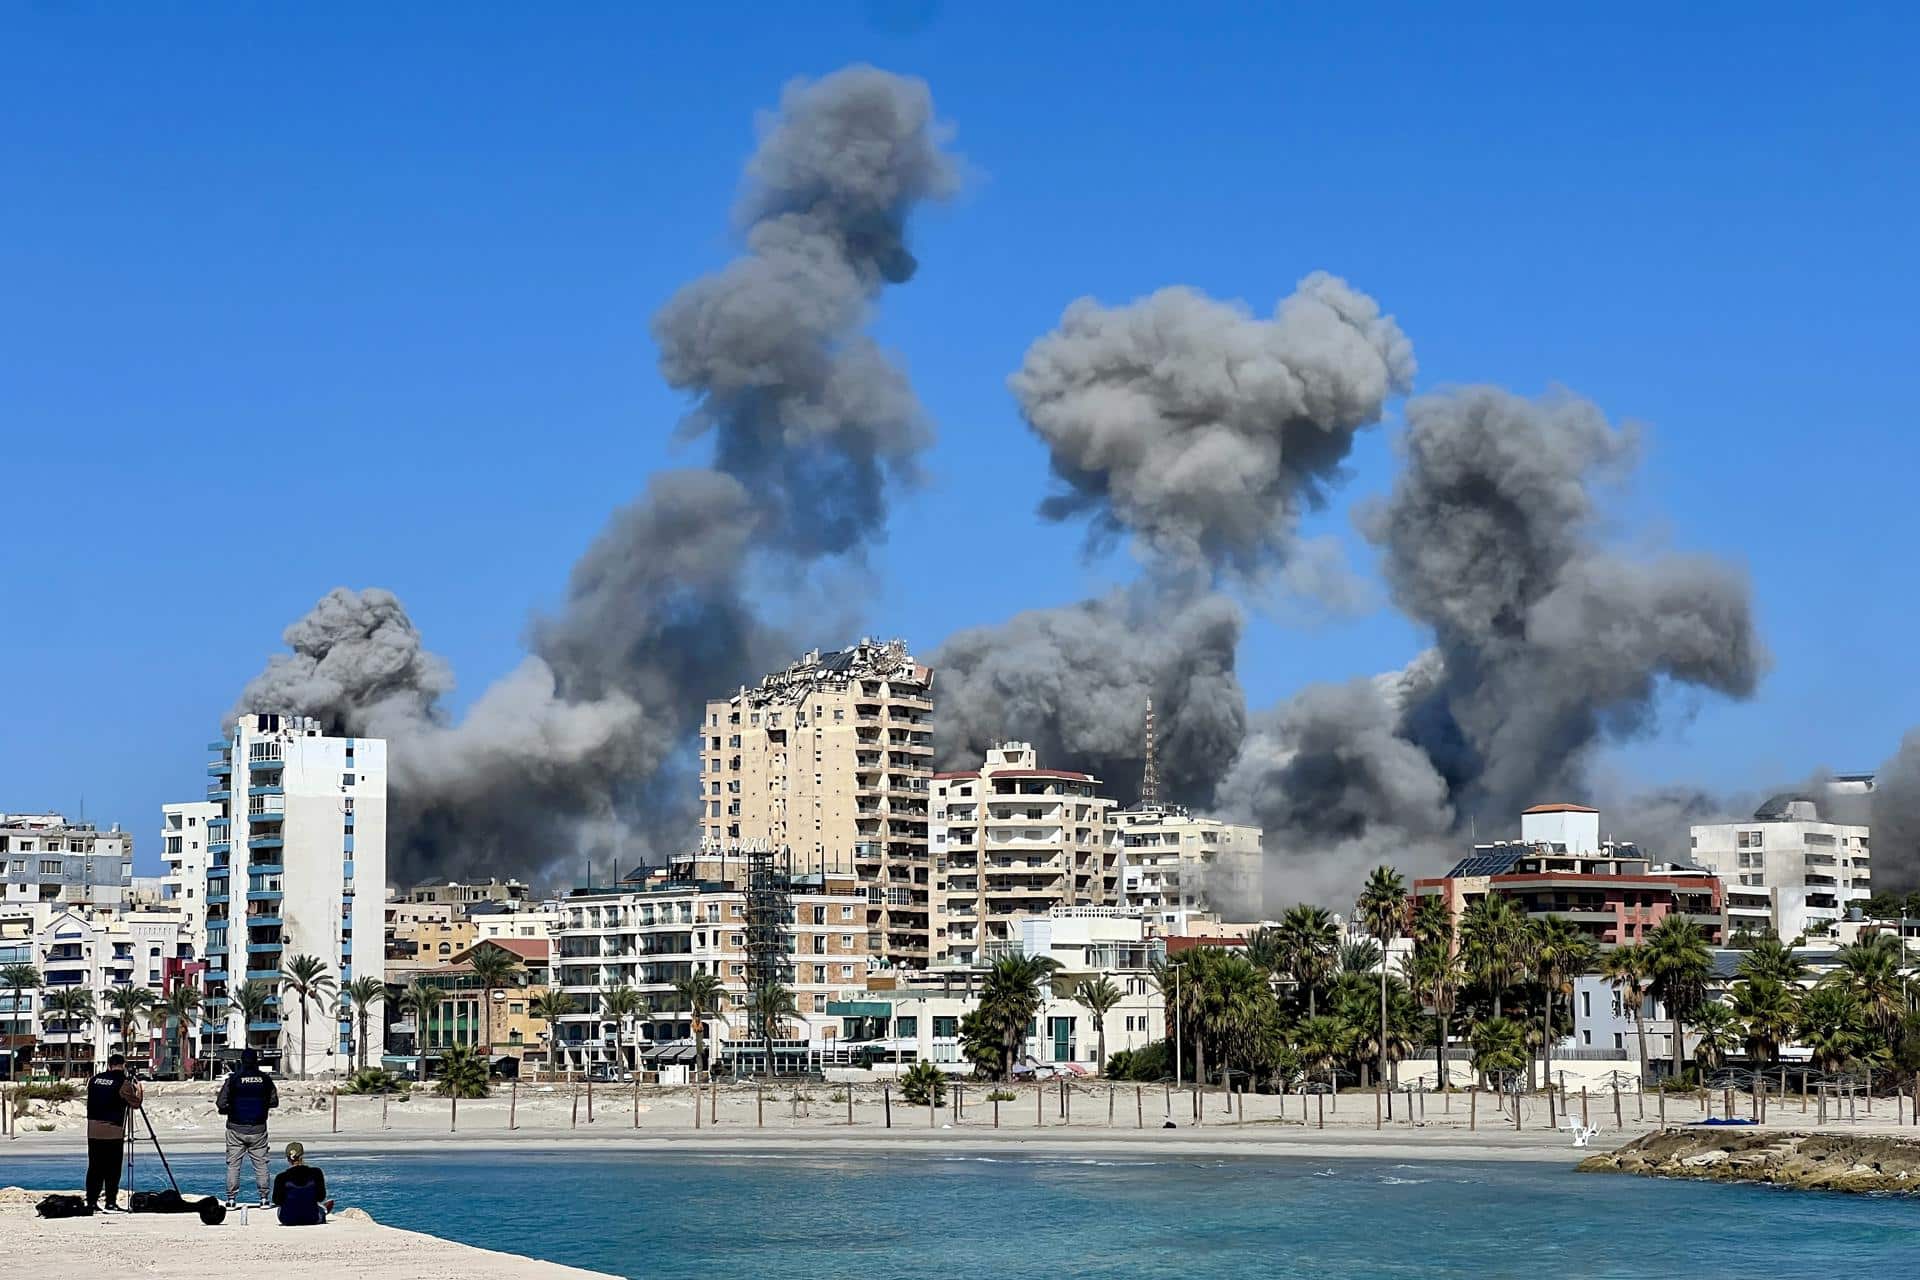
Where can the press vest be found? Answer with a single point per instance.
(104, 1103)
(248, 1104)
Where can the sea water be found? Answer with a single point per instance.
(653, 1215)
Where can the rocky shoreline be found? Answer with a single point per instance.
(1809, 1161)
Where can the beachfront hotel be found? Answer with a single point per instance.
(296, 865)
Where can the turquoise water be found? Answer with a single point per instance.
(1005, 1216)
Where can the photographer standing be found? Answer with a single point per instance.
(109, 1094)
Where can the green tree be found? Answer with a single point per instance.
(1499, 1047)
(361, 995)
(307, 978)
(421, 998)
(1322, 1041)
(621, 1005)
(1719, 1031)
(1232, 1012)
(923, 1084)
(182, 1006)
(1625, 969)
(493, 968)
(131, 1005)
(70, 1005)
(1434, 970)
(770, 1006)
(1493, 944)
(1098, 996)
(20, 978)
(703, 995)
(1769, 1010)
(1832, 1025)
(254, 1000)
(1010, 999)
(463, 1073)
(1679, 967)
(1309, 941)
(1266, 948)
(1771, 958)
(1382, 908)
(550, 1006)
(983, 1044)
(1871, 969)
(1561, 953)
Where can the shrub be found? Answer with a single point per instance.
(57, 1091)
(374, 1080)
(463, 1073)
(924, 1083)
(1001, 1095)
(1147, 1063)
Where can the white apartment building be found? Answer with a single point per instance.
(45, 858)
(19, 1023)
(102, 951)
(693, 918)
(1176, 865)
(1788, 870)
(183, 850)
(832, 759)
(1013, 841)
(297, 866)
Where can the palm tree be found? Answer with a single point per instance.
(1870, 968)
(182, 1007)
(70, 1005)
(463, 1073)
(1011, 997)
(1309, 940)
(1234, 1008)
(1769, 1009)
(130, 1005)
(771, 1006)
(1678, 968)
(1718, 1030)
(494, 968)
(1321, 1041)
(1560, 953)
(420, 999)
(1098, 996)
(1831, 1025)
(620, 1005)
(1382, 908)
(307, 977)
(703, 994)
(360, 996)
(1625, 969)
(21, 978)
(1493, 944)
(1772, 958)
(550, 1006)
(253, 1000)
(1435, 970)
(1499, 1047)
(1267, 949)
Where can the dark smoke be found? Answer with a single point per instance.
(582, 748)
(1545, 644)
(1896, 819)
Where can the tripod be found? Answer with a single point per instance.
(133, 1143)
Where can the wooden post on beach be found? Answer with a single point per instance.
(1803, 1093)
(759, 1105)
(696, 1104)
(1663, 1106)
(1584, 1122)
(849, 1104)
(1823, 1106)
(1321, 1099)
(933, 1115)
(1140, 1108)
(589, 1097)
(1376, 1108)
(1869, 1090)
(1473, 1108)
(886, 1104)
(1619, 1121)
(513, 1106)
(1109, 1106)
(574, 1122)
(713, 1102)
(1199, 1105)
(996, 1109)
(336, 1108)
(1376, 1105)
(383, 1111)
(959, 1107)
(636, 1099)
(453, 1122)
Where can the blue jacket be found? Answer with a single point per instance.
(246, 1097)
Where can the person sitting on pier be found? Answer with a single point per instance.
(300, 1191)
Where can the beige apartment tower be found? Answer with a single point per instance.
(832, 760)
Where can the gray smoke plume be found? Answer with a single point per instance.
(1075, 683)
(1545, 645)
(1202, 430)
(1896, 819)
(583, 748)
(807, 411)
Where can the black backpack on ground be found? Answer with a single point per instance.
(63, 1207)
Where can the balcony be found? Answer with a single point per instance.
(215, 975)
(218, 899)
(265, 789)
(217, 747)
(265, 842)
(263, 948)
(220, 768)
(265, 1024)
(265, 868)
(263, 975)
(262, 766)
(220, 846)
(263, 921)
(219, 793)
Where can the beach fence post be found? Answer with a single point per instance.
(336, 1108)
(1823, 1105)
(1140, 1108)
(849, 1104)
(933, 1115)
(1039, 1101)
(886, 1104)
(1199, 1105)
(959, 1107)
(636, 1099)
(1376, 1108)
(383, 1110)
(1619, 1121)
(1109, 1106)
(1473, 1108)
(996, 1108)
(1663, 1106)
(513, 1106)
(1321, 1100)
(453, 1120)
(573, 1121)
(1869, 1090)
(759, 1105)
(589, 1097)
(1803, 1093)
(1583, 1107)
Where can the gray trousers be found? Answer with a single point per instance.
(250, 1141)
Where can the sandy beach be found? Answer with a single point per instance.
(180, 1247)
(813, 1118)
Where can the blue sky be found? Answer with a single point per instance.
(293, 300)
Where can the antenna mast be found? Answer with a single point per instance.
(1150, 776)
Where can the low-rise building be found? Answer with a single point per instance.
(457, 893)
(1791, 871)
(1176, 864)
(46, 858)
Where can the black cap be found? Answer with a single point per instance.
(117, 1060)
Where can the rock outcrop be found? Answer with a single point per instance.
(1813, 1161)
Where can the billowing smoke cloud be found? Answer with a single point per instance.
(1201, 430)
(581, 748)
(807, 410)
(1205, 433)
(1545, 644)
(1075, 683)
(1896, 819)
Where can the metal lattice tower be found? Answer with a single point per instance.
(1150, 776)
(769, 921)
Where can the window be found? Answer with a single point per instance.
(50, 866)
(846, 913)
(839, 714)
(846, 942)
(819, 944)
(819, 915)
(946, 1028)
(346, 779)
(906, 1026)
(1586, 1004)
(846, 971)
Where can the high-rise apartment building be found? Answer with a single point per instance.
(297, 866)
(46, 859)
(183, 850)
(1791, 870)
(1176, 865)
(831, 759)
(1013, 841)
